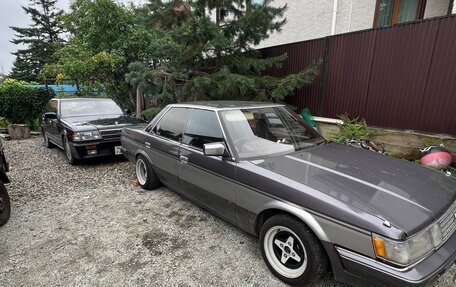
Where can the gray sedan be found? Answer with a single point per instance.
(315, 205)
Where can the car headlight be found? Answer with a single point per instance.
(86, 136)
(404, 253)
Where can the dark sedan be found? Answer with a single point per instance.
(374, 220)
(85, 127)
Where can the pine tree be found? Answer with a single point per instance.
(40, 40)
(205, 49)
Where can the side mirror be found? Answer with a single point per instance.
(50, 116)
(214, 149)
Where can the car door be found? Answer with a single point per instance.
(50, 126)
(162, 145)
(207, 180)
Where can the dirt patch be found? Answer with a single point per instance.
(88, 226)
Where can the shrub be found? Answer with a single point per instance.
(21, 104)
(149, 114)
(4, 122)
(353, 129)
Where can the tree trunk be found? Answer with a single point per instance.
(139, 103)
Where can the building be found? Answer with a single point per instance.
(310, 19)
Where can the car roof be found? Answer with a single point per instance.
(80, 99)
(226, 105)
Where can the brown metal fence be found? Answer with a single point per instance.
(400, 77)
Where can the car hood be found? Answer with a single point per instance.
(409, 196)
(101, 122)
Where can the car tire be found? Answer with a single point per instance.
(145, 174)
(47, 142)
(68, 153)
(292, 251)
(5, 206)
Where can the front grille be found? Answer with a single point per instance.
(448, 222)
(111, 134)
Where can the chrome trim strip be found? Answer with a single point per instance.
(338, 248)
(252, 107)
(204, 107)
(159, 119)
(224, 136)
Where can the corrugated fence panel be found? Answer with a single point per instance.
(438, 110)
(400, 77)
(399, 71)
(300, 55)
(349, 63)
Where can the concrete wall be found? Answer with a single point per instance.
(362, 15)
(306, 19)
(310, 19)
(436, 8)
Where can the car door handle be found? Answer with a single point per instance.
(183, 159)
(147, 144)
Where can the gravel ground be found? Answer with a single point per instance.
(88, 226)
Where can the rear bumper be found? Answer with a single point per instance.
(103, 148)
(360, 270)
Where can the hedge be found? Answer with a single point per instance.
(21, 104)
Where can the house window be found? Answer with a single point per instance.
(390, 12)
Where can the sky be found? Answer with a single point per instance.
(12, 14)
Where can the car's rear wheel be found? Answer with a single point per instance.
(291, 251)
(69, 154)
(5, 207)
(47, 142)
(145, 174)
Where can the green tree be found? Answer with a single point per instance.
(104, 38)
(40, 40)
(204, 49)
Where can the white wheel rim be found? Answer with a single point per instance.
(141, 171)
(293, 256)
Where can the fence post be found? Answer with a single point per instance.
(323, 78)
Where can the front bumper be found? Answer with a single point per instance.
(103, 148)
(356, 269)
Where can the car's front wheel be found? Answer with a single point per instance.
(145, 174)
(69, 154)
(5, 208)
(291, 251)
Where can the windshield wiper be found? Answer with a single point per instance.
(324, 142)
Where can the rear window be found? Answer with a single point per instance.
(172, 124)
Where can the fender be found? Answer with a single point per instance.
(4, 178)
(143, 153)
(305, 216)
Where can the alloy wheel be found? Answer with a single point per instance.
(141, 171)
(285, 251)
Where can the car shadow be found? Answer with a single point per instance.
(102, 160)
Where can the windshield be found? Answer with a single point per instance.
(267, 131)
(74, 108)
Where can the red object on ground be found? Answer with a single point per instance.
(436, 157)
(135, 182)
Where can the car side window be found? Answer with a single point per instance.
(171, 125)
(202, 127)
